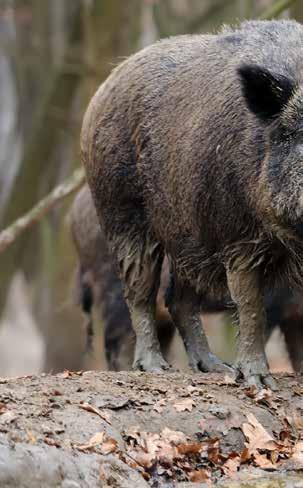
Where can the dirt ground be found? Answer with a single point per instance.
(99, 429)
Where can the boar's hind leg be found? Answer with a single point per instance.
(184, 307)
(251, 359)
(140, 269)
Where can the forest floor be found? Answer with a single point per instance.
(98, 429)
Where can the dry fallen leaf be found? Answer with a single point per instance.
(144, 459)
(213, 452)
(264, 396)
(174, 436)
(199, 475)
(190, 448)
(65, 374)
(105, 445)
(257, 437)
(109, 445)
(232, 464)
(186, 404)
(103, 415)
(263, 462)
(260, 396)
(245, 455)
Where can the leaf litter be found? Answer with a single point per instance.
(170, 455)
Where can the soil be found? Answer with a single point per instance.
(99, 429)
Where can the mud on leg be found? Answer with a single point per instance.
(245, 291)
(184, 307)
(140, 264)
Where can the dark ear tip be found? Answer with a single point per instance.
(248, 71)
(266, 93)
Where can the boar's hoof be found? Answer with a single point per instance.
(251, 375)
(151, 364)
(211, 364)
(260, 381)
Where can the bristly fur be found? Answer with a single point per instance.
(193, 148)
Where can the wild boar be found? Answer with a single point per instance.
(193, 148)
(97, 285)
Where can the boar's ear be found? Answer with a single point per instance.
(266, 93)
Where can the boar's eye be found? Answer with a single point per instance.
(265, 93)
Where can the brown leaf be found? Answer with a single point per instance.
(186, 404)
(263, 462)
(251, 391)
(144, 459)
(103, 415)
(264, 396)
(232, 464)
(245, 455)
(257, 437)
(147, 448)
(214, 455)
(104, 445)
(284, 436)
(65, 374)
(199, 475)
(109, 445)
(174, 436)
(190, 448)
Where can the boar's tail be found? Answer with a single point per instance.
(84, 297)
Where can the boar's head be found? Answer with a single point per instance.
(276, 100)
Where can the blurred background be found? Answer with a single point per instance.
(53, 55)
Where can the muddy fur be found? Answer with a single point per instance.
(96, 275)
(97, 285)
(193, 148)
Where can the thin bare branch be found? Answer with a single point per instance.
(69, 186)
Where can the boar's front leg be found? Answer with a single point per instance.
(251, 360)
(184, 307)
